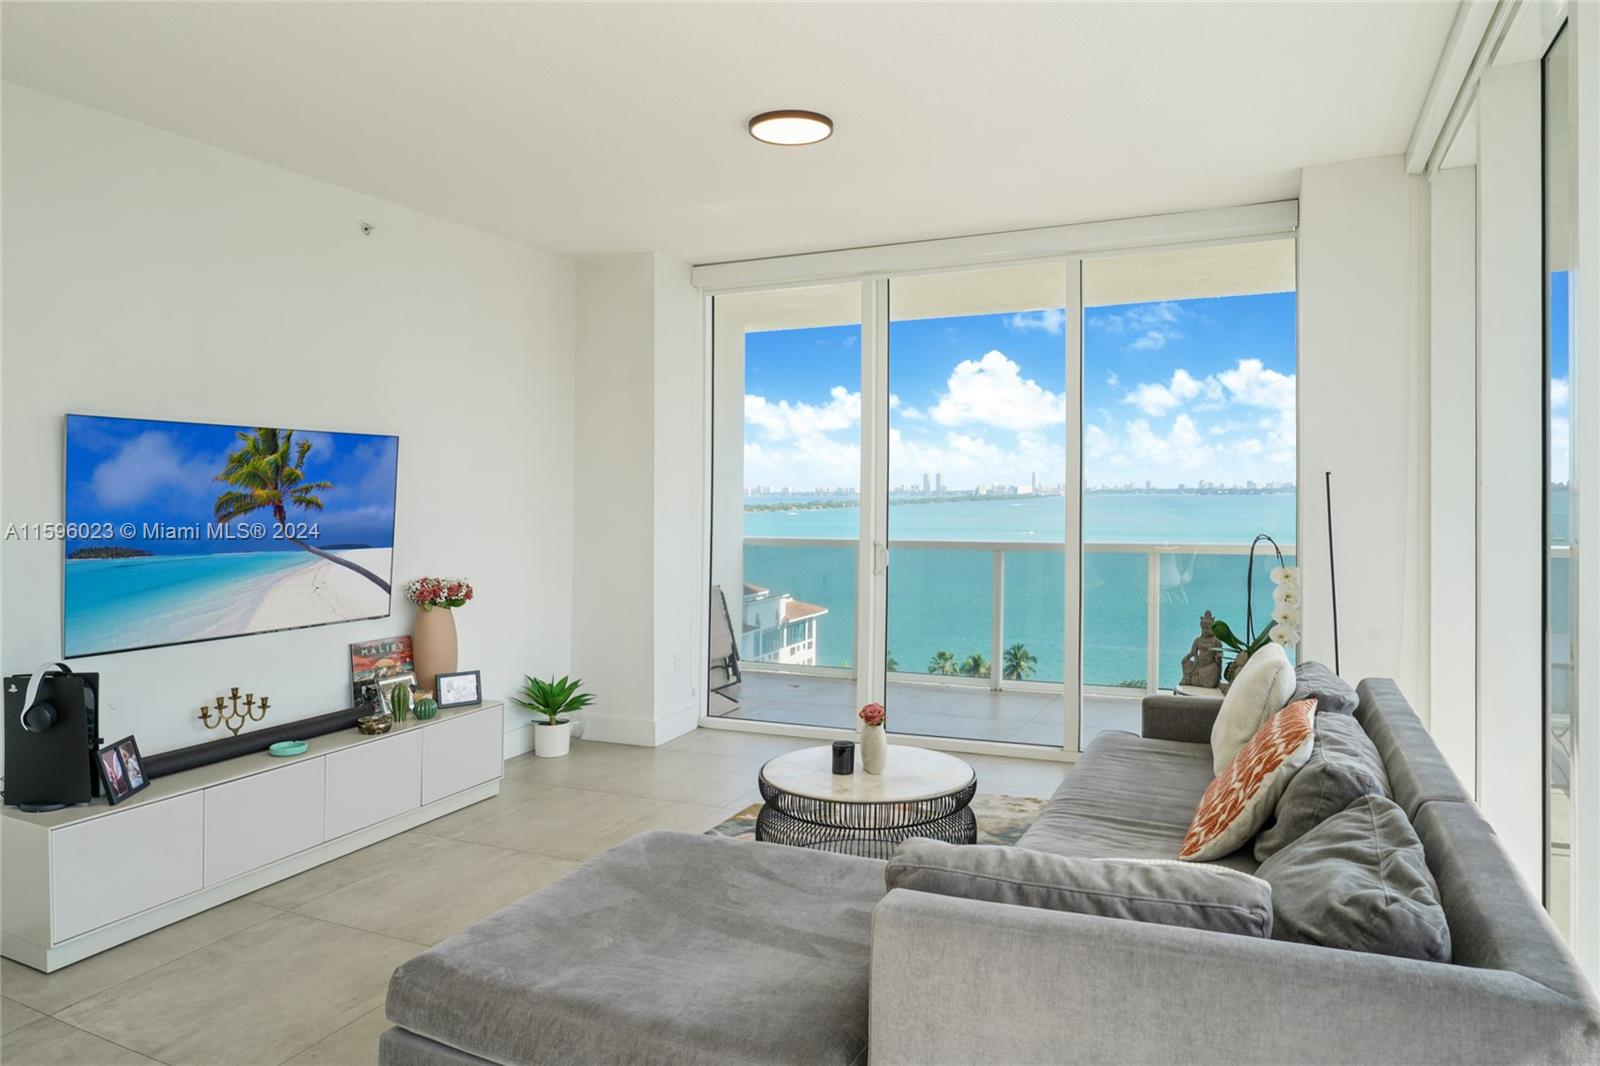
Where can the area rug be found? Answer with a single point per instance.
(1001, 819)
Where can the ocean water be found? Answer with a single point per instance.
(941, 599)
(115, 604)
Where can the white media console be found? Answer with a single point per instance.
(84, 879)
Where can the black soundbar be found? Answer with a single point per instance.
(181, 759)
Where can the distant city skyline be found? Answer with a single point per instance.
(1174, 392)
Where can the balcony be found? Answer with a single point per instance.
(960, 607)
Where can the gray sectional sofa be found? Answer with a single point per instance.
(674, 948)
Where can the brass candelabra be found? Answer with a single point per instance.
(234, 719)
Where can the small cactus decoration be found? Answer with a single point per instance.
(400, 702)
(425, 708)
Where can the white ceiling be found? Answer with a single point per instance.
(592, 129)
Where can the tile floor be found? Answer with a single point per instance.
(968, 712)
(297, 971)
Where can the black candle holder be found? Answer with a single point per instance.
(844, 757)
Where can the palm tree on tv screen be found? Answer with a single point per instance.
(263, 475)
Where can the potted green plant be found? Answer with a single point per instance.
(552, 738)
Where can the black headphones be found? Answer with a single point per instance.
(37, 717)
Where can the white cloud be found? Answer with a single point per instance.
(1050, 320)
(1182, 448)
(905, 410)
(1156, 400)
(969, 459)
(805, 463)
(992, 391)
(1254, 385)
(1097, 443)
(787, 421)
(148, 464)
(1559, 393)
(1112, 380)
(1150, 325)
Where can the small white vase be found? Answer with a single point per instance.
(552, 741)
(874, 748)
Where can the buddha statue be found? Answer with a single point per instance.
(1202, 667)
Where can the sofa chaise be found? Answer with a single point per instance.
(683, 949)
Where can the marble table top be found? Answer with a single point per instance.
(908, 774)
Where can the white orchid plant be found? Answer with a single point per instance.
(1286, 604)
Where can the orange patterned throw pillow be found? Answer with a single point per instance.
(1241, 798)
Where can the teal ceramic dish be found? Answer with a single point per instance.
(285, 748)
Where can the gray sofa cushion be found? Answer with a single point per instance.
(397, 1047)
(1128, 797)
(1496, 922)
(670, 948)
(1344, 766)
(1312, 680)
(1141, 890)
(1418, 772)
(1359, 881)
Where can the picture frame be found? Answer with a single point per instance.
(122, 769)
(462, 689)
(379, 662)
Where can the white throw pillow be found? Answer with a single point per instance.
(1262, 689)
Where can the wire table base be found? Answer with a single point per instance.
(872, 829)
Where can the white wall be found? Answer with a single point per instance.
(1361, 415)
(679, 513)
(1453, 467)
(150, 275)
(638, 575)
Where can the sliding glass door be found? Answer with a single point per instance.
(786, 518)
(1189, 396)
(999, 500)
(1559, 573)
(977, 456)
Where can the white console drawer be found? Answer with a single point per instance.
(372, 782)
(263, 818)
(128, 861)
(461, 752)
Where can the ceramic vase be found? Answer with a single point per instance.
(874, 748)
(433, 645)
(552, 741)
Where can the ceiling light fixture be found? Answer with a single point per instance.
(791, 127)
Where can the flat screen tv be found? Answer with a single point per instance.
(186, 531)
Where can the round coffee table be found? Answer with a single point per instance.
(920, 793)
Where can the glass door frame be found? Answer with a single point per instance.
(874, 268)
(873, 572)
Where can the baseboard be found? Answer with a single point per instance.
(519, 741)
(677, 723)
(615, 729)
(641, 732)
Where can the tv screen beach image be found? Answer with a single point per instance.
(181, 531)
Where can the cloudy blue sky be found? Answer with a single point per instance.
(136, 470)
(1173, 392)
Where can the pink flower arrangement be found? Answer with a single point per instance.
(873, 714)
(431, 592)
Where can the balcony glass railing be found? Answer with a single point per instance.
(1141, 604)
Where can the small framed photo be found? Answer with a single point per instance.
(122, 769)
(458, 690)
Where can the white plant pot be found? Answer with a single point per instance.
(552, 741)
